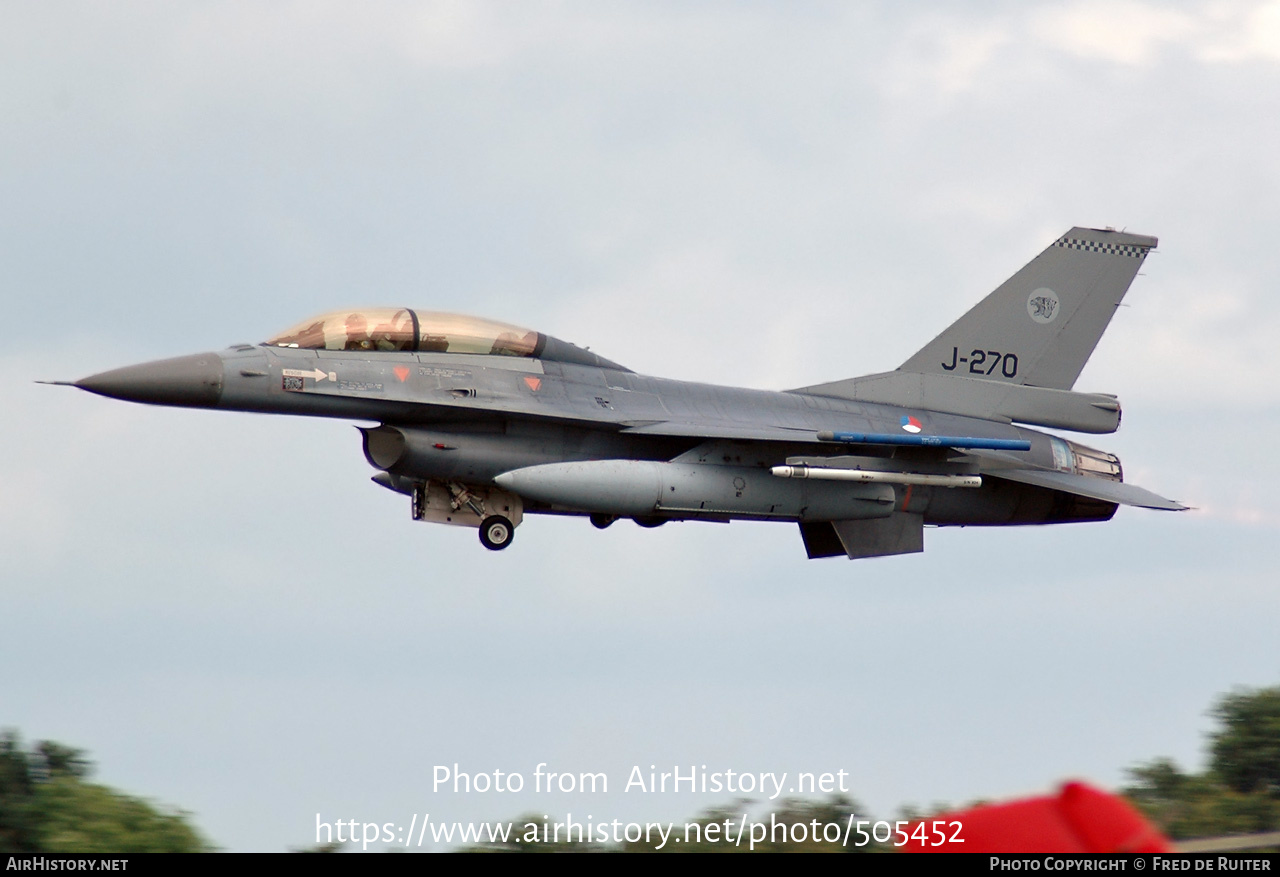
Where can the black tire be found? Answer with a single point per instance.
(496, 532)
(602, 521)
(650, 523)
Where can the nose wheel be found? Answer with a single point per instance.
(496, 532)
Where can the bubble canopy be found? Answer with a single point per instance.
(388, 330)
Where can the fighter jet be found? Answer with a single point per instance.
(481, 422)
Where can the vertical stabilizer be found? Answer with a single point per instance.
(1041, 325)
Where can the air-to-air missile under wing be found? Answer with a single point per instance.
(482, 422)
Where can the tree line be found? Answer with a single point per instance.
(48, 805)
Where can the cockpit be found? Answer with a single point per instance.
(402, 329)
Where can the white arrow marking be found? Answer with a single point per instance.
(315, 374)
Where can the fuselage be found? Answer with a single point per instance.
(470, 418)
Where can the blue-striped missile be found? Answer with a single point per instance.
(927, 441)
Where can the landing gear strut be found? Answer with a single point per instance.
(496, 532)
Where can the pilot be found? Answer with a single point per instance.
(358, 333)
(392, 335)
(511, 344)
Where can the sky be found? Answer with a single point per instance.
(231, 619)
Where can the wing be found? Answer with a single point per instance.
(742, 431)
(1094, 488)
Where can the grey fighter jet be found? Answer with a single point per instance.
(482, 423)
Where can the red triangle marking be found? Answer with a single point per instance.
(534, 383)
(402, 372)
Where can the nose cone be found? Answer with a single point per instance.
(194, 381)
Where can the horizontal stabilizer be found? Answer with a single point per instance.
(1094, 488)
